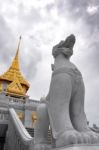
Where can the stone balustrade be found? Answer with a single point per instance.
(17, 137)
(16, 100)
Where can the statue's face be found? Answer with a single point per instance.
(65, 47)
(70, 41)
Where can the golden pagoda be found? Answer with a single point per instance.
(12, 82)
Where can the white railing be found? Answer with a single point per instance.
(16, 100)
(17, 137)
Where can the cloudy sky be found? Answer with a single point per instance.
(43, 23)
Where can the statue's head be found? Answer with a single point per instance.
(65, 47)
(70, 41)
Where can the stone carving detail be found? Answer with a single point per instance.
(63, 109)
(20, 115)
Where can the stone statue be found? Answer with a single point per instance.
(63, 109)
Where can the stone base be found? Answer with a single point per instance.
(80, 147)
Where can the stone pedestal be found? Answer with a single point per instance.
(80, 147)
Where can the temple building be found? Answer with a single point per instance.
(13, 94)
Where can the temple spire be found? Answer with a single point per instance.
(15, 63)
(16, 84)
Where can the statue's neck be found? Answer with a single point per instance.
(61, 58)
(61, 61)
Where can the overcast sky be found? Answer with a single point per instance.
(42, 24)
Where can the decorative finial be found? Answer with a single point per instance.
(18, 46)
(19, 41)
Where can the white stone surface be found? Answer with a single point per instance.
(80, 147)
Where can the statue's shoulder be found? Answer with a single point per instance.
(74, 68)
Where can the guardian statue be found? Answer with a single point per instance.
(63, 110)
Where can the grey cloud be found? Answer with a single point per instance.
(27, 19)
(92, 59)
(30, 68)
(91, 19)
(6, 40)
(78, 9)
(49, 7)
(31, 57)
